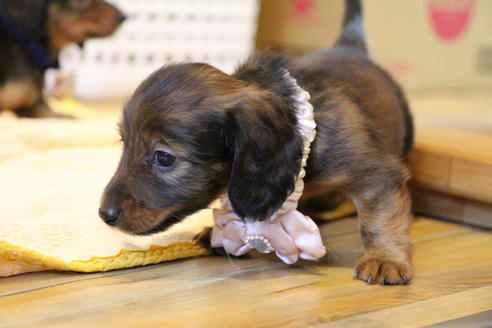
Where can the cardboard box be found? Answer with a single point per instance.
(423, 43)
(298, 26)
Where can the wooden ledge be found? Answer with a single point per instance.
(454, 162)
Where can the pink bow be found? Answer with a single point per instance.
(293, 235)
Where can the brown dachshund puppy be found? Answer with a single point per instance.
(192, 133)
(32, 33)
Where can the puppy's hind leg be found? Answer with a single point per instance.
(316, 206)
(384, 211)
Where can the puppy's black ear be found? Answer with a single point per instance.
(266, 150)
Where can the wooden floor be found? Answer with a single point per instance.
(453, 267)
(452, 157)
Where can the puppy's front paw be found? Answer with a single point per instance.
(204, 239)
(378, 269)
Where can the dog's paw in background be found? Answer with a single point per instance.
(40, 110)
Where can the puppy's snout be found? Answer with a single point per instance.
(110, 215)
(111, 209)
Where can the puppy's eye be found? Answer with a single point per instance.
(163, 158)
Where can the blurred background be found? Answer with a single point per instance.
(439, 50)
(157, 32)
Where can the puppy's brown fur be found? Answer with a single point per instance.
(51, 25)
(191, 133)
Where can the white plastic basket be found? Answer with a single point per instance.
(219, 32)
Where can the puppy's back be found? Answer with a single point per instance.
(347, 69)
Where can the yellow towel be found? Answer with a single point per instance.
(52, 173)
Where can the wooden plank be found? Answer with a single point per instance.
(259, 291)
(452, 142)
(454, 162)
(424, 313)
(481, 319)
(472, 178)
(28, 282)
(459, 209)
(430, 168)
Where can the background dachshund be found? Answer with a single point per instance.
(32, 33)
(191, 133)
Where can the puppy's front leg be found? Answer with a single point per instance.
(384, 221)
(39, 110)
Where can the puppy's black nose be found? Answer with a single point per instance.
(109, 215)
(121, 17)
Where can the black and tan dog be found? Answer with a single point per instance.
(192, 133)
(32, 33)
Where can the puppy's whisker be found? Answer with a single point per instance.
(237, 267)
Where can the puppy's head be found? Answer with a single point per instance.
(74, 21)
(190, 133)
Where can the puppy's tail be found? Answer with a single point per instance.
(353, 30)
